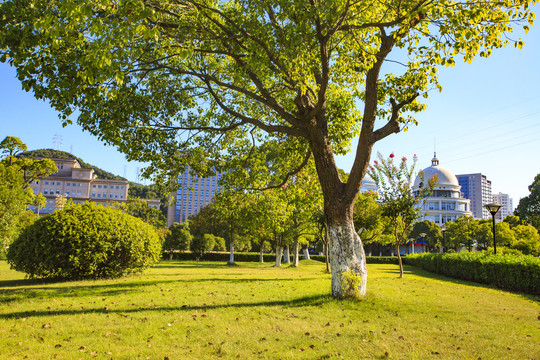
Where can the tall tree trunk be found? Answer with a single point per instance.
(326, 257)
(306, 253)
(231, 257)
(261, 255)
(399, 260)
(286, 254)
(170, 255)
(279, 254)
(295, 253)
(347, 259)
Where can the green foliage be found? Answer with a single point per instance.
(350, 283)
(85, 241)
(506, 271)
(179, 238)
(13, 201)
(202, 244)
(140, 209)
(433, 232)
(368, 219)
(460, 232)
(528, 208)
(219, 244)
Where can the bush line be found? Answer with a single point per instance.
(505, 271)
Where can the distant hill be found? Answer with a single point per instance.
(136, 190)
(58, 154)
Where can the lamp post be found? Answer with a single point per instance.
(443, 229)
(423, 235)
(493, 209)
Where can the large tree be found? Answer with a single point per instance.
(202, 82)
(529, 206)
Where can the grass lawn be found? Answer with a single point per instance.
(190, 310)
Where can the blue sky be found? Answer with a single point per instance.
(486, 120)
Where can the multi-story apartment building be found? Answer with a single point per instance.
(507, 205)
(477, 188)
(79, 185)
(192, 195)
(446, 203)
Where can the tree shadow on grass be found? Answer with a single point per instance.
(16, 290)
(306, 301)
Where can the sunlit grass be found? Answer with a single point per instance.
(190, 310)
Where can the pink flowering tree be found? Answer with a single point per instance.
(398, 201)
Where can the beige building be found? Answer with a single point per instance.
(79, 185)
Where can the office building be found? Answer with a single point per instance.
(477, 188)
(192, 195)
(507, 205)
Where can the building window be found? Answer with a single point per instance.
(67, 184)
(78, 193)
(104, 186)
(123, 187)
(93, 194)
(117, 187)
(57, 192)
(46, 183)
(116, 196)
(58, 183)
(94, 186)
(111, 195)
(121, 196)
(67, 192)
(99, 186)
(46, 191)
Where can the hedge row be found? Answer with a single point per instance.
(254, 257)
(505, 271)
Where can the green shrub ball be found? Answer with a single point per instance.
(85, 241)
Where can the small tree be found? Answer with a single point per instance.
(202, 244)
(179, 238)
(432, 232)
(460, 232)
(398, 202)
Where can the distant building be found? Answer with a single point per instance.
(368, 184)
(446, 203)
(78, 184)
(507, 205)
(192, 195)
(477, 188)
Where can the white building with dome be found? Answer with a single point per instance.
(446, 202)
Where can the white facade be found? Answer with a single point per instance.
(368, 184)
(445, 203)
(507, 205)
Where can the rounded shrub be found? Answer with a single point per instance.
(85, 241)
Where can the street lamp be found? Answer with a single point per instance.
(493, 209)
(443, 229)
(423, 235)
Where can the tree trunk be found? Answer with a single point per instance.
(347, 259)
(306, 253)
(279, 254)
(326, 257)
(400, 262)
(170, 255)
(261, 255)
(231, 257)
(286, 255)
(295, 253)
